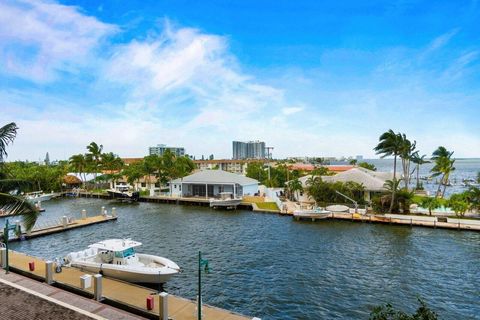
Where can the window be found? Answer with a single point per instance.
(144, 184)
(118, 254)
(180, 187)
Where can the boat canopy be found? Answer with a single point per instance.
(115, 244)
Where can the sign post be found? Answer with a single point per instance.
(201, 263)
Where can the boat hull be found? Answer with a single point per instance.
(154, 269)
(125, 275)
(229, 203)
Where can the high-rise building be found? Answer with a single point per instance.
(161, 148)
(248, 150)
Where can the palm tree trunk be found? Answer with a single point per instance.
(394, 180)
(418, 175)
(439, 187)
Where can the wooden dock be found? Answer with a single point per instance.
(406, 220)
(77, 223)
(120, 294)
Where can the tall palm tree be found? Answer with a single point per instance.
(418, 161)
(443, 167)
(78, 163)
(390, 145)
(9, 203)
(406, 152)
(94, 158)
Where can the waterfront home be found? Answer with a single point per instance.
(210, 183)
(372, 181)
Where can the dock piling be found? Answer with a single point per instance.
(3, 255)
(64, 221)
(102, 211)
(163, 305)
(49, 272)
(84, 214)
(97, 287)
(114, 212)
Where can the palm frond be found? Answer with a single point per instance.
(13, 205)
(7, 135)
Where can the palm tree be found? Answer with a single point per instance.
(443, 167)
(293, 188)
(430, 203)
(406, 151)
(78, 163)
(390, 145)
(111, 163)
(10, 203)
(418, 161)
(94, 157)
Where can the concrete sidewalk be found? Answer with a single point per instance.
(24, 298)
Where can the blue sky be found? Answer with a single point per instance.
(316, 78)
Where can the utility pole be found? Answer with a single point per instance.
(269, 156)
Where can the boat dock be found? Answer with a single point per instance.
(119, 294)
(63, 224)
(408, 220)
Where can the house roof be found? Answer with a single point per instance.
(371, 180)
(217, 177)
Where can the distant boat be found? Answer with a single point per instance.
(226, 201)
(38, 196)
(122, 192)
(117, 258)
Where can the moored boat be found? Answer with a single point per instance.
(117, 258)
(123, 193)
(38, 196)
(226, 201)
(318, 213)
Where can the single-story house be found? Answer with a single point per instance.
(210, 183)
(373, 181)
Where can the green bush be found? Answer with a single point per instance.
(387, 312)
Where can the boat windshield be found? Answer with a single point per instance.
(129, 252)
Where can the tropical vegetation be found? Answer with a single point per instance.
(387, 312)
(10, 203)
(443, 167)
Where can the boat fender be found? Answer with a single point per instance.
(101, 271)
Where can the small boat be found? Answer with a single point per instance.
(122, 192)
(38, 196)
(314, 214)
(226, 201)
(117, 258)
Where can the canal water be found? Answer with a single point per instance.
(272, 267)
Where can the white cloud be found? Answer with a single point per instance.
(291, 110)
(38, 38)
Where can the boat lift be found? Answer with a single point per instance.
(355, 203)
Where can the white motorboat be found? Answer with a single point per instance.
(38, 196)
(117, 258)
(123, 192)
(226, 200)
(318, 213)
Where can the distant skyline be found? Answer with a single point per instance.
(310, 78)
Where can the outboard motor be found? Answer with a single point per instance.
(59, 263)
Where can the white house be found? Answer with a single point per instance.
(372, 181)
(209, 183)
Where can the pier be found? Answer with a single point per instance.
(394, 219)
(116, 293)
(63, 224)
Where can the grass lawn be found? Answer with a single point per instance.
(253, 199)
(267, 206)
